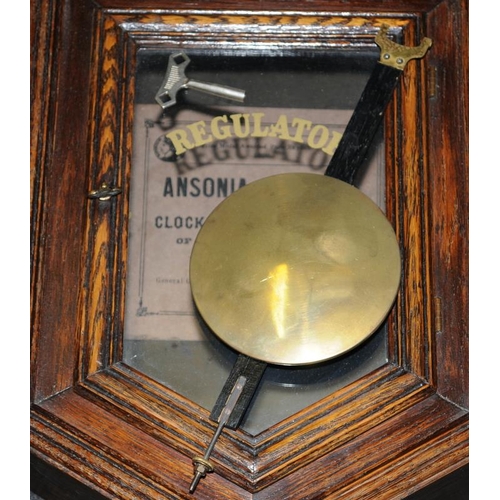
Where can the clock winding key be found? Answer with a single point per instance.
(176, 80)
(201, 464)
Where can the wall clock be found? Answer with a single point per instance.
(106, 416)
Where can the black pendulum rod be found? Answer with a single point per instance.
(253, 370)
(230, 407)
(245, 376)
(357, 138)
(351, 152)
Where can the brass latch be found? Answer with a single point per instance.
(396, 55)
(105, 192)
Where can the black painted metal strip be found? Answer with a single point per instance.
(252, 370)
(349, 157)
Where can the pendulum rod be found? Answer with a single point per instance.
(351, 152)
(202, 465)
(349, 157)
(230, 407)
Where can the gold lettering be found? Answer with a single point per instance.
(280, 129)
(334, 142)
(180, 141)
(244, 125)
(199, 132)
(220, 132)
(237, 120)
(313, 141)
(301, 124)
(257, 129)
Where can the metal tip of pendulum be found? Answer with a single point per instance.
(195, 481)
(201, 464)
(201, 467)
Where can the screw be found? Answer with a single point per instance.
(201, 467)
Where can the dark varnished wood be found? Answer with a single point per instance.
(57, 206)
(449, 180)
(323, 426)
(122, 435)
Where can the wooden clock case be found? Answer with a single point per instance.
(100, 429)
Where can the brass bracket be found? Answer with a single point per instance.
(395, 55)
(104, 193)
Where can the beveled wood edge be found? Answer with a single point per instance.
(272, 6)
(109, 455)
(274, 453)
(256, 30)
(40, 76)
(103, 450)
(253, 24)
(441, 445)
(448, 179)
(57, 196)
(103, 262)
(407, 166)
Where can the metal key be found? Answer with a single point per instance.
(176, 80)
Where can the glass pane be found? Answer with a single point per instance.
(187, 159)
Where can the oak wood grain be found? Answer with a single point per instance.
(60, 214)
(449, 198)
